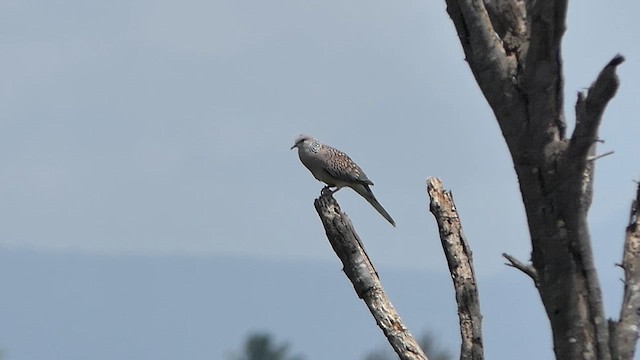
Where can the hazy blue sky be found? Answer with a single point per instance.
(152, 208)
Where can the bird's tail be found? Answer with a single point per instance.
(365, 191)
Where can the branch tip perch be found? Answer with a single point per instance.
(360, 270)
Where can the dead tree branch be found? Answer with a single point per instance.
(597, 157)
(459, 259)
(580, 169)
(624, 332)
(356, 265)
(590, 107)
(513, 48)
(525, 268)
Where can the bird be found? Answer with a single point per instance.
(336, 169)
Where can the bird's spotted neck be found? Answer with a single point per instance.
(314, 147)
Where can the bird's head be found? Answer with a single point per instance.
(302, 141)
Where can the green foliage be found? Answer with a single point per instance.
(261, 346)
(432, 349)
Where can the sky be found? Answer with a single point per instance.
(151, 206)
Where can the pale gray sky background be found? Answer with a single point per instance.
(152, 208)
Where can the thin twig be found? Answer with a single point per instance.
(594, 158)
(525, 268)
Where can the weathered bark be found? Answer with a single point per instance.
(624, 332)
(360, 271)
(460, 262)
(513, 50)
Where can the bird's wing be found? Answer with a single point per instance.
(340, 166)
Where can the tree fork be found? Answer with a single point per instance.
(513, 48)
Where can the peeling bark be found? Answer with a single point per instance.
(624, 332)
(459, 259)
(358, 267)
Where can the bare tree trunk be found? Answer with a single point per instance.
(624, 332)
(360, 271)
(459, 259)
(513, 50)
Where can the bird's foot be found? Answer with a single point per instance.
(326, 191)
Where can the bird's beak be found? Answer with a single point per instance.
(294, 145)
